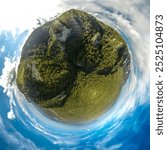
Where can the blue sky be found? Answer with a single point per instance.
(122, 127)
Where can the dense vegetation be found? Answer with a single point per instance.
(73, 66)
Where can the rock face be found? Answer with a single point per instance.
(73, 66)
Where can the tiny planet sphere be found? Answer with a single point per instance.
(73, 67)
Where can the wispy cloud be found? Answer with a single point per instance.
(15, 139)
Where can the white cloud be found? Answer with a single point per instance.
(23, 14)
(6, 80)
(2, 49)
(7, 72)
(11, 115)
